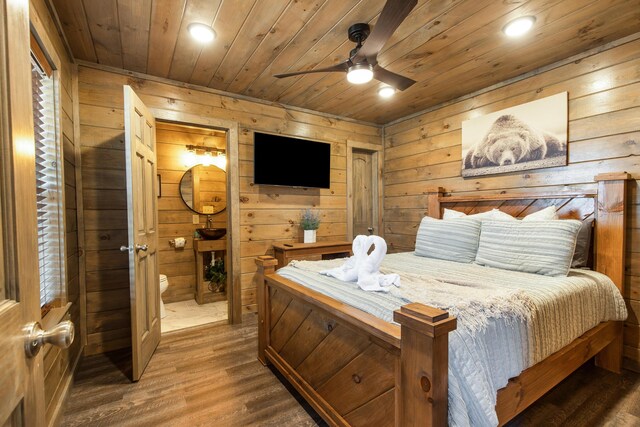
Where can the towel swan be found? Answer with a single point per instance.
(348, 272)
(363, 268)
(369, 276)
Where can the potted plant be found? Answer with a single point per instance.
(216, 275)
(309, 221)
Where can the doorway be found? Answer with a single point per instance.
(364, 188)
(192, 221)
(144, 185)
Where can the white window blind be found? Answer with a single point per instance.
(48, 188)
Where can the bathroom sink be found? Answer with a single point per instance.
(211, 233)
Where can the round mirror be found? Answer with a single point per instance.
(204, 189)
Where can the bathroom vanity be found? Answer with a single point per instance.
(205, 250)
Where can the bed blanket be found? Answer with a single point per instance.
(507, 321)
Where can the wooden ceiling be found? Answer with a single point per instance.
(450, 47)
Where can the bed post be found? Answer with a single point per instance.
(610, 250)
(266, 265)
(433, 201)
(422, 397)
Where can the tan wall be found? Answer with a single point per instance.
(604, 135)
(267, 214)
(58, 364)
(174, 217)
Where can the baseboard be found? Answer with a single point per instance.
(631, 365)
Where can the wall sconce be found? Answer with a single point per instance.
(206, 156)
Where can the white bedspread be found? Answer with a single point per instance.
(507, 321)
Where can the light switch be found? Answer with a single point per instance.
(195, 219)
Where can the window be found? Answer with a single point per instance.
(49, 183)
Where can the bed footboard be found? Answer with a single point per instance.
(352, 367)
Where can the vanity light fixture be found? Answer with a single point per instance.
(190, 159)
(206, 156)
(360, 73)
(386, 92)
(201, 32)
(220, 160)
(206, 159)
(519, 26)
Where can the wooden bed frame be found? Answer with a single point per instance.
(356, 369)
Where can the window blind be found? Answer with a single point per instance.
(48, 188)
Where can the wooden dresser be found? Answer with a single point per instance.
(285, 252)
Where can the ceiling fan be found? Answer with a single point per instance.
(362, 64)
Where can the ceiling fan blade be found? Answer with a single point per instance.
(343, 66)
(392, 79)
(392, 15)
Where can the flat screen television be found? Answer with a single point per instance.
(294, 162)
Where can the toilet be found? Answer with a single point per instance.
(164, 284)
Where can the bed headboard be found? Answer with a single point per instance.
(607, 203)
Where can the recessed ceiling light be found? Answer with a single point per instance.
(360, 73)
(519, 26)
(386, 92)
(202, 32)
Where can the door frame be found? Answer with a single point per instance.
(234, 288)
(377, 152)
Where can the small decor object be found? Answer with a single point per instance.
(216, 275)
(527, 136)
(309, 221)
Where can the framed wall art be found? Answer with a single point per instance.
(527, 136)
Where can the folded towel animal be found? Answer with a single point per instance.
(348, 272)
(364, 268)
(369, 276)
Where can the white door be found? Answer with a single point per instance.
(21, 377)
(140, 139)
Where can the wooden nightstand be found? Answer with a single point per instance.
(310, 251)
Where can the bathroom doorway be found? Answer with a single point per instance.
(193, 221)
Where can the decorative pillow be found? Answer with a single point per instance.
(540, 247)
(492, 214)
(583, 244)
(453, 240)
(546, 214)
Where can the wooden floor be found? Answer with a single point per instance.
(209, 376)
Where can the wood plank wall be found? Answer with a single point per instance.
(174, 217)
(604, 135)
(268, 214)
(59, 364)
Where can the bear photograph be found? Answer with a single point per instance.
(527, 136)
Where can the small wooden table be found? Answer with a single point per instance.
(200, 247)
(285, 252)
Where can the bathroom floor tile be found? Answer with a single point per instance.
(186, 314)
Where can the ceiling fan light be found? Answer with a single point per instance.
(386, 91)
(201, 32)
(360, 73)
(519, 26)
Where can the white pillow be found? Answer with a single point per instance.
(492, 214)
(547, 214)
(450, 214)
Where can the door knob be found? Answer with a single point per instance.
(61, 335)
(142, 248)
(126, 248)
